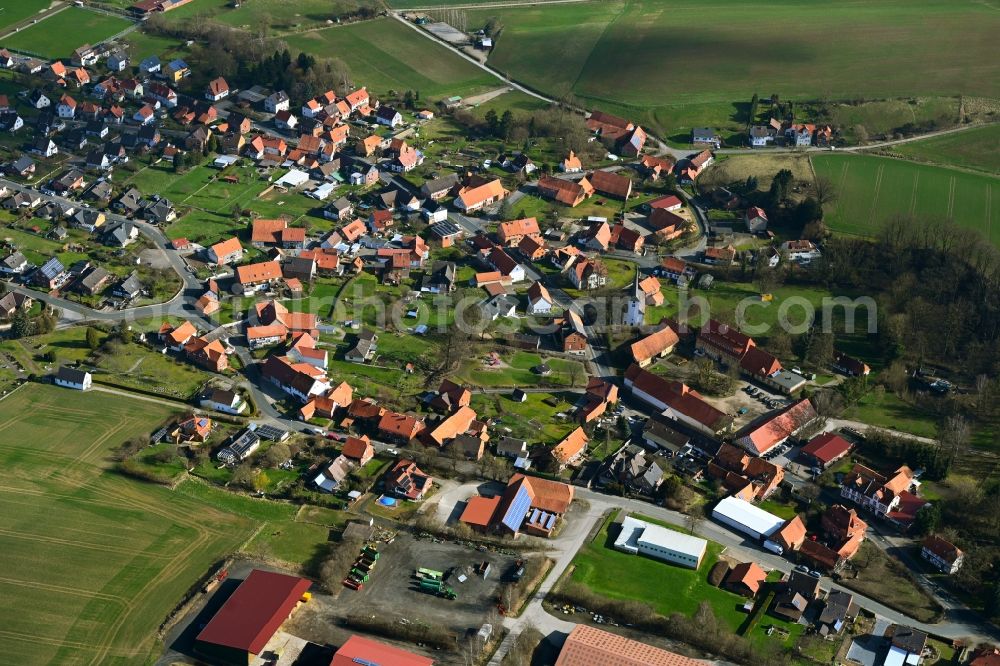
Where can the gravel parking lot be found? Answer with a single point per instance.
(393, 589)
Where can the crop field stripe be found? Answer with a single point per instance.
(878, 186)
(951, 197)
(989, 205)
(913, 195)
(62, 589)
(39, 538)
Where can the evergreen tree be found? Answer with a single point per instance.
(93, 337)
(21, 325)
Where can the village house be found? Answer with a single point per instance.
(568, 192)
(611, 184)
(942, 554)
(472, 199)
(655, 345)
(876, 492)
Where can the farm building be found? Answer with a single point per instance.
(587, 645)
(639, 537)
(746, 518)
(360, 650)
(250, 617)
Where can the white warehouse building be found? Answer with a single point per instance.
(638, 536)
(744, 517)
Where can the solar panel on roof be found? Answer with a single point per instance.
(518, 509)
(269, 432)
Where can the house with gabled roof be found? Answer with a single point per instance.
(676, 401)
(568, 192)
(396, 427)
(763, 434)
(658, 344)
(571, 447)
(942, 554)
(472, 199)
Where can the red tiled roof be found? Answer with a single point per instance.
(267, 231)
(589, 646)
(252, 273)
(776, 428)
(654, 344)
(827, 447)
(359, 650)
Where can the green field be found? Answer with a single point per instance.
(656, 59)
(873, 188)
(59, 35)
(667, 588)
(386, 55)
(977, 148)
(275, 14)
(93, 562)
(14, 11)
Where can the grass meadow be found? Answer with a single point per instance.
(59, 35)
(14, 11)
(93, 561)
(672, 64)
(873, 188)
(977, 148)
(386, 55)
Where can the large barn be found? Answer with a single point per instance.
(250, 617)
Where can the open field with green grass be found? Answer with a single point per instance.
(871, 189)
(977, 148)
(279, 15)
(142, 45)
(515, 371)
(15, 11)
(534, 419)
(111, 554)
(667, 588)
(626, 54)
(59, 35)
(386, 55)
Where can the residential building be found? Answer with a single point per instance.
(745, 579)
(825, 449)
(72, 378)
(611, 183)
(472, 199)
(876, 492)
(406, 481)
(658, 344)
(942, 554)
(568, 192)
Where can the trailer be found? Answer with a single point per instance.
(359, 576)
(352, 584)
(370, 551)
(438, 588)
(430, 573)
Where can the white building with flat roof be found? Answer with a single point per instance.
(744, 517)
(640, 537)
